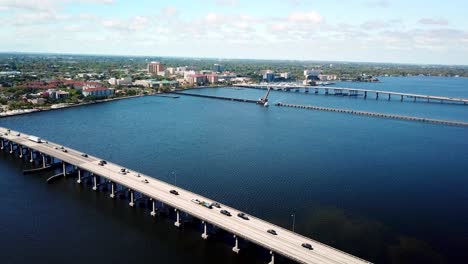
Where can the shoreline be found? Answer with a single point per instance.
(38, 110)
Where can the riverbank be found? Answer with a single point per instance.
(63, 106)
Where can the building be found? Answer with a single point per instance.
(285, 75)
(97, 91)
(155, 84)
(212, 78)
(198, 79)
(218, 68)
(122, 81)
(155, 67)
(269, 76)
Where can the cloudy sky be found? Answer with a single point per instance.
(403, 31)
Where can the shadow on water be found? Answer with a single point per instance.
(367, 238)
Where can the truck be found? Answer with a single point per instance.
(35, 139)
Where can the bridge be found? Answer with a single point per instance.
(284, 243)
(342, 91)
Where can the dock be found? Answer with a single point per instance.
(375, 114)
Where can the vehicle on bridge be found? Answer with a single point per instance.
(35, 139)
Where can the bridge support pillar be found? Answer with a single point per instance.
(316, 90)
(236, 245)
(132, 200)
(326, 91)
(376, 95)
(79, 176)
(401, 98)
(272, 261)
(205, 234)
(112, 195)
(365, 94)
(414, 100)
(153, 212)
(177, 223)
(3, 144)
(43, 160)
(389, 95)
(21, 151)
(95, 183)
(11, 147)
(31, 153)
(64, 169)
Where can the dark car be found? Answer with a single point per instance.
(174, 192)
(273, 232)
(64, 150)
(307, 245)
(225, 212)
(217, 205)
(101, 163)
(84, 155)
(243, 216)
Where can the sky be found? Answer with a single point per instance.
(396, 31)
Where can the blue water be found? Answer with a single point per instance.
(389, 191)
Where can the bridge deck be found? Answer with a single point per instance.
(411, 95)
(286, 243)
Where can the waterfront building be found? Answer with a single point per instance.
(155, 67)
(198, 79)
(90, 90)
(212, 78)
(285, 75)
(269, 76)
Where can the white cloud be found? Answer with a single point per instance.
(305, 17)
(434, 21)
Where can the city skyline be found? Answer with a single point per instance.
(359, 31)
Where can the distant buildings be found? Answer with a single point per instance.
(155, 67)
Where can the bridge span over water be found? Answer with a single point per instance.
(284, 243)
(342, 91)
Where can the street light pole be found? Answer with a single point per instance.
(175, 178)
(294, 221)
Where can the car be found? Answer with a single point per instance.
(102, 163)
(307, 245)
(64, 150)
(18, 134)
(174, 192)
(138, 175)
(62, 147)
(56, 148)
(196, 201)
(225, 212)
(217, 205)
(207, 205)
(84, 155)
(145, 181)
(243, 216)
(273, 232)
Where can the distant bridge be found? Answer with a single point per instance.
(341, 91)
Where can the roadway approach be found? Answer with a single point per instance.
(285, 242)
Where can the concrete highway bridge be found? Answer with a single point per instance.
(341, 91)
(284, 243)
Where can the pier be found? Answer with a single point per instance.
(374, 114)
(218, 97)
(355, 92)
(138, 186)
